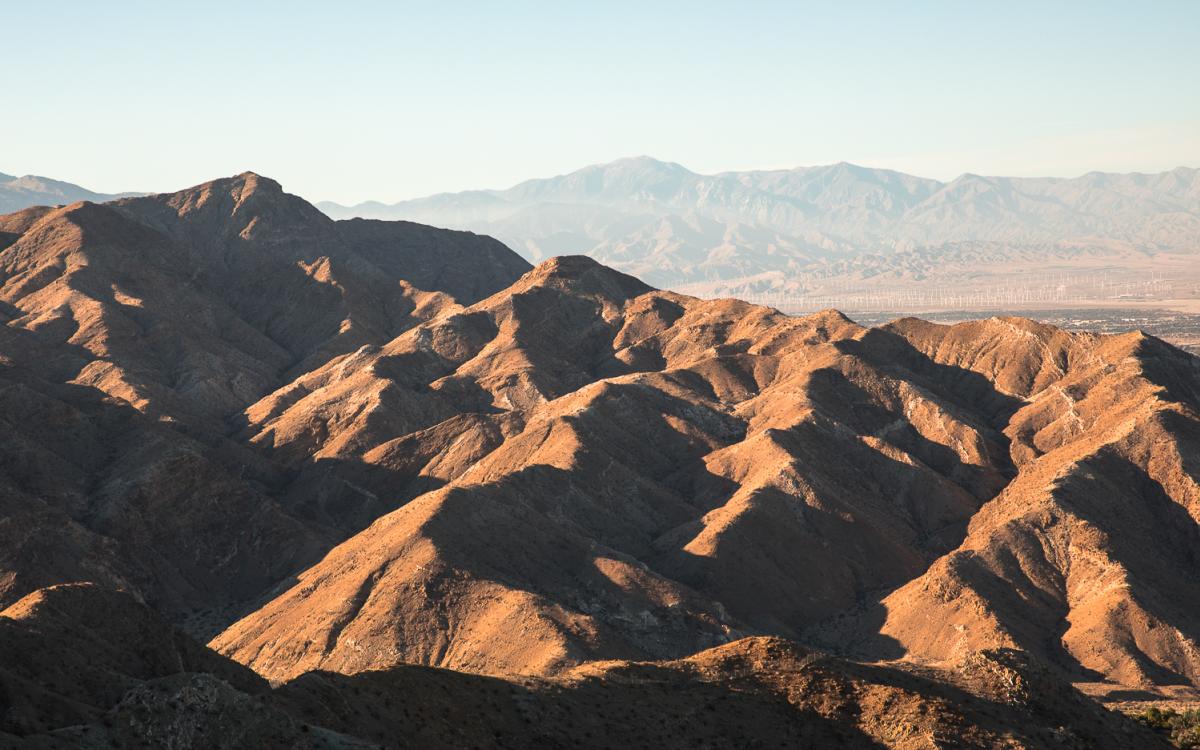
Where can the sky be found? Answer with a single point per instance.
(351, 101)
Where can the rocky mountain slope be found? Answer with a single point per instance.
(339, 449)
(647, 474)
(1085, 557)
(135, 334)
(796, 229)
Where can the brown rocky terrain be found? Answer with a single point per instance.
(634, 439)
(85, 667)
(1087, 557)
(136, 330)
(661, 473)
(348, 448)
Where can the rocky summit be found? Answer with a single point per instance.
(412, 491)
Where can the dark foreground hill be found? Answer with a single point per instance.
(83, 667)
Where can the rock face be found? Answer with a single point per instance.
(340, 449)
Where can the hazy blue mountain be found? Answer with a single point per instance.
(17, 193)
(674, 227)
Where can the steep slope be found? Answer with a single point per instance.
(134, 331)
(1088, 558)
(200, 301)
(93, 489)
(644, 473)
(354, 446)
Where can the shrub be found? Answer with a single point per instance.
(1183, 729)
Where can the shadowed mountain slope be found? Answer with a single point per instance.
(81, 667)
(1086, 558)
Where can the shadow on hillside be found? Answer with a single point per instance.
(181, 532)
(644, 706)
(571, 546)
(1151, 535)
(855, 521)
(8, 238)
(849, 404)
(1172, 368)
(970, 391)
(347, 495)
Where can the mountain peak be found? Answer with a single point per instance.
(845, 166)
(646, 161)
(583, 274)
(241, 185)
(246, 195)
(566, 266)
(246, 183)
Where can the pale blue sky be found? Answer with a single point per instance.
(350, 101)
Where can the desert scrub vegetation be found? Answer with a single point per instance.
(1183, 728)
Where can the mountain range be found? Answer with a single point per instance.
(808, 229)
(18, 193)
(411, 490)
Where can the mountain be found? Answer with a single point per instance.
(439, 497)
(17, 193)
(642, 475)
(136, 330)
(811, 231)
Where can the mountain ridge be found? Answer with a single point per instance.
(18, 193)
(796, 226)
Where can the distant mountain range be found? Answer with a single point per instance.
(17, 193)
(840, 236)
(674, 227)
